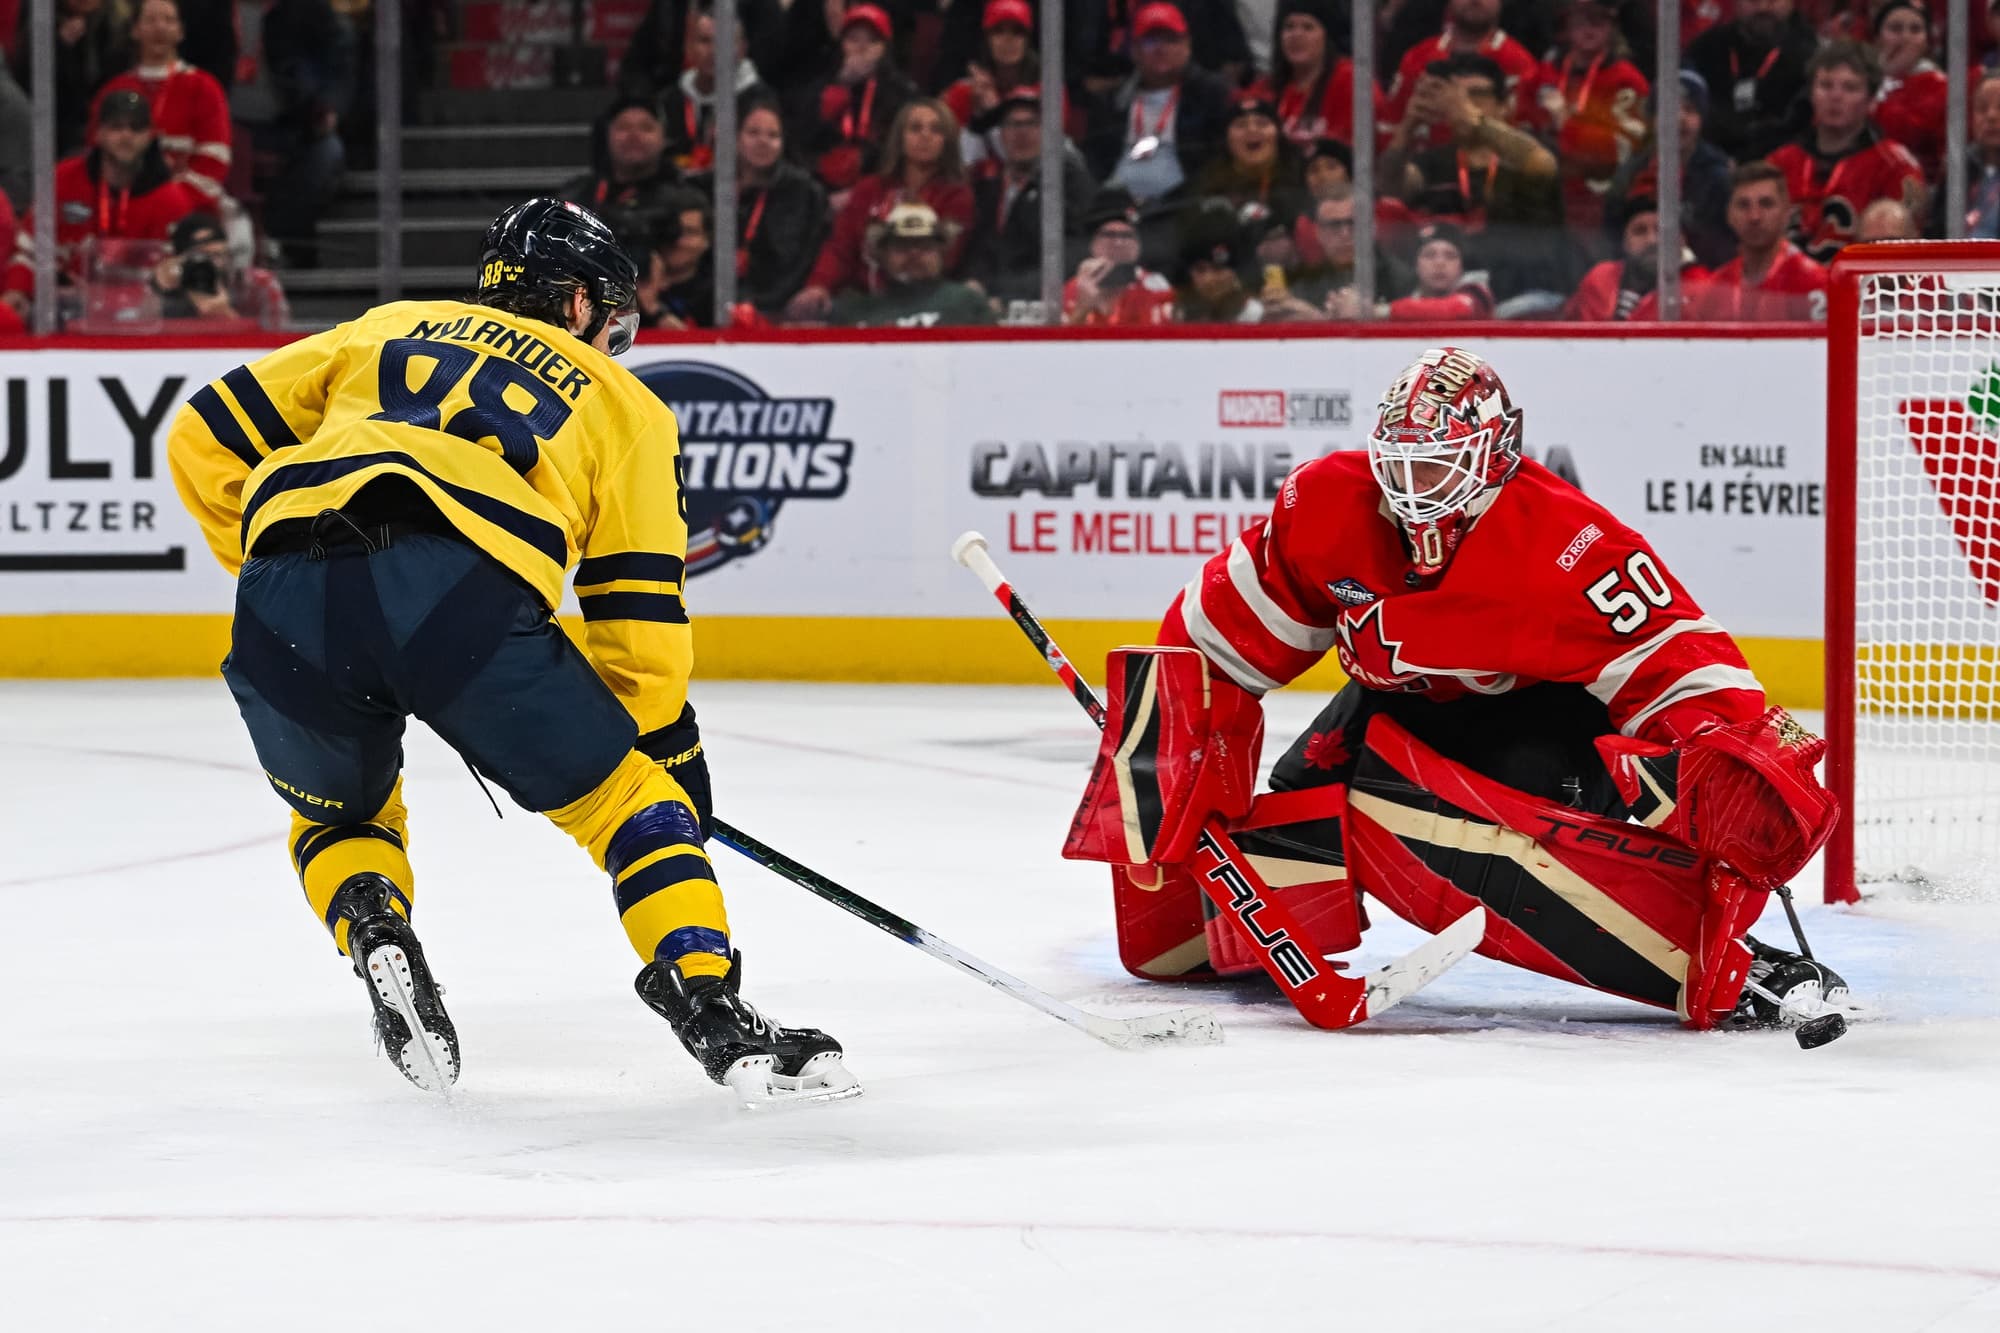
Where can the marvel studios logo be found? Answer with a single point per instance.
(1275, 409)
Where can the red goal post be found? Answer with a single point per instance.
(1913, 563)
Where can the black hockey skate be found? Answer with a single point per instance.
(1786, 989)
(411, 1026)
(761, 1062)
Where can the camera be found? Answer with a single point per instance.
(200, 274)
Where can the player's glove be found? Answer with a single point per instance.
(1743, 794)
(677, 748)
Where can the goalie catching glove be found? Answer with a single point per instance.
(1742, 794)
(1180, 747)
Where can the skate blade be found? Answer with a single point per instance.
(426, 1058)
(759, 1086)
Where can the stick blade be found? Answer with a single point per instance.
(1389, 986)
(1181, 1027)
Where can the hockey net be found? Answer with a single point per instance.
(1913, 571)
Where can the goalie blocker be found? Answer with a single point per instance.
(1654, 911)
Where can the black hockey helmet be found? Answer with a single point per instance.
(538, 252)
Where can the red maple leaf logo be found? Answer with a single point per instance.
(1963, 464)
(1326, 749)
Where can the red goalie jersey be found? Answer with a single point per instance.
(1545, 586)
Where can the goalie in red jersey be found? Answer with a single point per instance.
(1539, 720)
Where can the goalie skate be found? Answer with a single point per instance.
(763, 1063)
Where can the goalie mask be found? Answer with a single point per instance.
(1445, 439)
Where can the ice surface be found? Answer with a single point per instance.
(195, 1133)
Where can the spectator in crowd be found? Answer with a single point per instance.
(1840, 164)
(1104, 40)
(907, 246)
(1770, 278)
(632, 183)
(1211, 289)
(1704, 180)
(200, 281)
(1626, 288)
(1329, 163)
(782, 216)
(190, 110)
(1472, 28)
(676, 278)
(1158, 128)
(1444, 289)
(1887, 220)
(921, 165)
(1489, 177)
(301, 93)
(121, 189)
(1755, 68)
(1004, 255)
(1310, 84)
(687, 110)
(17, 117)
(1006, 61)
(845, 117)
(1982, 167)
(657, 56)
(1111, 289)
(1324, 289)
(1910, 104)
(1592, 100)
(90, 48)
(1258, 171)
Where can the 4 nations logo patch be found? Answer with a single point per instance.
(1351, 592)
(744, 454)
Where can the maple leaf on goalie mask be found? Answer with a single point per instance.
(1326, 749)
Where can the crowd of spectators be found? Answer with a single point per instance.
(198, 144)
(889, 154)
(1209, 156)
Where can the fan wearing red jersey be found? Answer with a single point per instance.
(1526, 678)
(1910, 104)
(1472, 27)
(1841, 164)
(190, 110)
(1770, 279)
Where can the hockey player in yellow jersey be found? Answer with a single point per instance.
(400, 499)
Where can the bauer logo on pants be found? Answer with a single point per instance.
(743, 454)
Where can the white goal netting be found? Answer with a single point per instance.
(1927, 577)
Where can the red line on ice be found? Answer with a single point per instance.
(1892, 1266)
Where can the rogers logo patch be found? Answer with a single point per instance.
(1263, 408)
(1578, 545)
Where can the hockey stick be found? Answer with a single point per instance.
(1326, 998)
(1194, 1026)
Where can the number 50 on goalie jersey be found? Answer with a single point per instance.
(537, 448)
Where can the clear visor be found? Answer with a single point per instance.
(624, 326)
(1428, 480)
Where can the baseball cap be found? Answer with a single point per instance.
(1027, 95)
(1250, 104)
(908, 222)
(1694, 91)
(1113, 203)
(125, 108)
(195, 229)
(1441, 231)
(999, 13)
(871, 16)
(1159, 17)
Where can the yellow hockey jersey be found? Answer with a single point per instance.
(539, 449)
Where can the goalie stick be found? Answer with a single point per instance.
(1193, 1026)
(1325, 997)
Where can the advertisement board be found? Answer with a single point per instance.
(827, 481)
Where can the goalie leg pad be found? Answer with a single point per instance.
(1293, 841)
(1599, 902)
(1169, 931)
(1180, 747)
